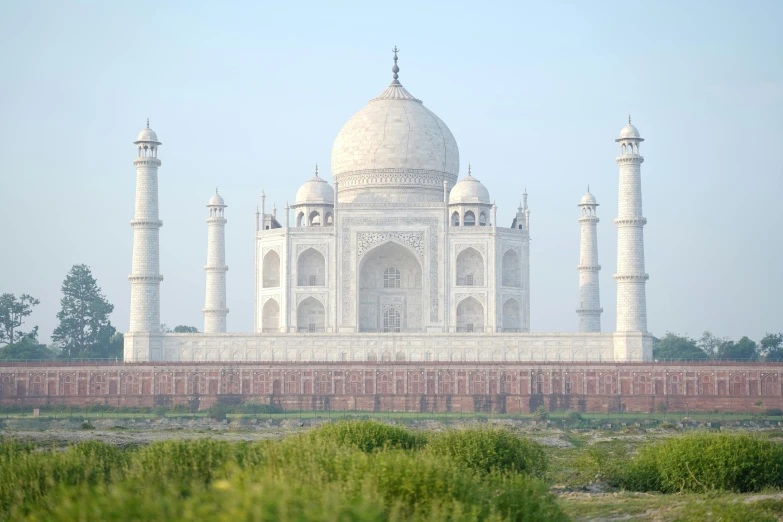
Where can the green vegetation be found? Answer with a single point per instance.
(487, 450)
(698, 462)
(360, 472)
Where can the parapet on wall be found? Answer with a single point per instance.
(402, 386)
(443, 348)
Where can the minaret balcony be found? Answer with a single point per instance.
(630, 159)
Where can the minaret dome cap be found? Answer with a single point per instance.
(216, 200)
(588, 199)
(630, 132)
(147, 135)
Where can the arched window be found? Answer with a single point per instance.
(311, 268)
(470, 268)
(482, 220)
(391, 278)
(470, 219)
(271, 270)
(391, 320)
(328, 218)
(622, 149)
(299, 219)
(315, 219)
(455, 219)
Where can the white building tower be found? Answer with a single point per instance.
(631, 277)
(215, 303)
(145, 275)
(589, 311)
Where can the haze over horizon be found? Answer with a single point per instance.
(248, 97)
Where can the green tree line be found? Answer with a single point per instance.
(84, 330)
(711, 347)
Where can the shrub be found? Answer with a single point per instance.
(574, 416)
(255, 408)
(704, 462)
(540, 414)
(489, 449)
(217, 411)
(773, 412)
(87, 426)
(160, 411)
(366, 435)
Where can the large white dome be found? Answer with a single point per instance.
(394, 149)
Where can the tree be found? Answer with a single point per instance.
(742, 349)
(709, 343)
(12, 314)
(84, 319)
(673, 346)
(771, 347)
(26, 348)
(185, 329)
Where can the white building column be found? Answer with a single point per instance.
(145, 278)
(215, 301)
(631, 277)
(589, 311)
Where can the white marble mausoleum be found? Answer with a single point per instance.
(397, 259)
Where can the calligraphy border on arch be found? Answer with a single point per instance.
(431, 223)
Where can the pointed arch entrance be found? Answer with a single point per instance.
(391, 293)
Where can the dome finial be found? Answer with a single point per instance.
(316, 170)
(395, 69)
(629, 118)
(148, 123)
(469, 175)
(588, 189)
(216, 191)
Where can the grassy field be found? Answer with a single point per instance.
(460, 468)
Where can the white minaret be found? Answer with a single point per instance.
(631, 277)
(145, 275)
(215, 304)
(589, 311)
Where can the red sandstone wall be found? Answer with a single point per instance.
(417, 387)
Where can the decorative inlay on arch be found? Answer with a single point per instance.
(274, 297)
(318, 247)
(459, 297)
(266, 249)
(366, 240)
(506, 297)
(476, 246)
(318, 296)
(507, 247)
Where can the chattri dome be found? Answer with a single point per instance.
(629, 131)
(394, 149)
(315, 191)
(588, 199)
(147, 135)
(216, 200)
(469, 190)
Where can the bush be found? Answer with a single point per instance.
(366, 435)
(574, 416)
(541, 414)
(489, 449)
(217, 411)
(704, 462)
(773, 412)
(160, 411)
(255, 408)
(87, 426)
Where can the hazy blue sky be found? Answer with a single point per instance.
(249, 96)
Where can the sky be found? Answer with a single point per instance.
(249, 96)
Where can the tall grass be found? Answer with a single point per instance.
(705, 462)
(352, 472)
(485, 449)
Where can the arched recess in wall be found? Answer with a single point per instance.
(310, 316)
(311, 268)
(390, 278)
(512, 316)
(300, 219)
(314, 220)
(271, 316)
(512, 269)
(470, 268)
(470, 219)
(455, 219)
(470, 315)
(271, 269)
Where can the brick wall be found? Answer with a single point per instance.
(392, 386)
